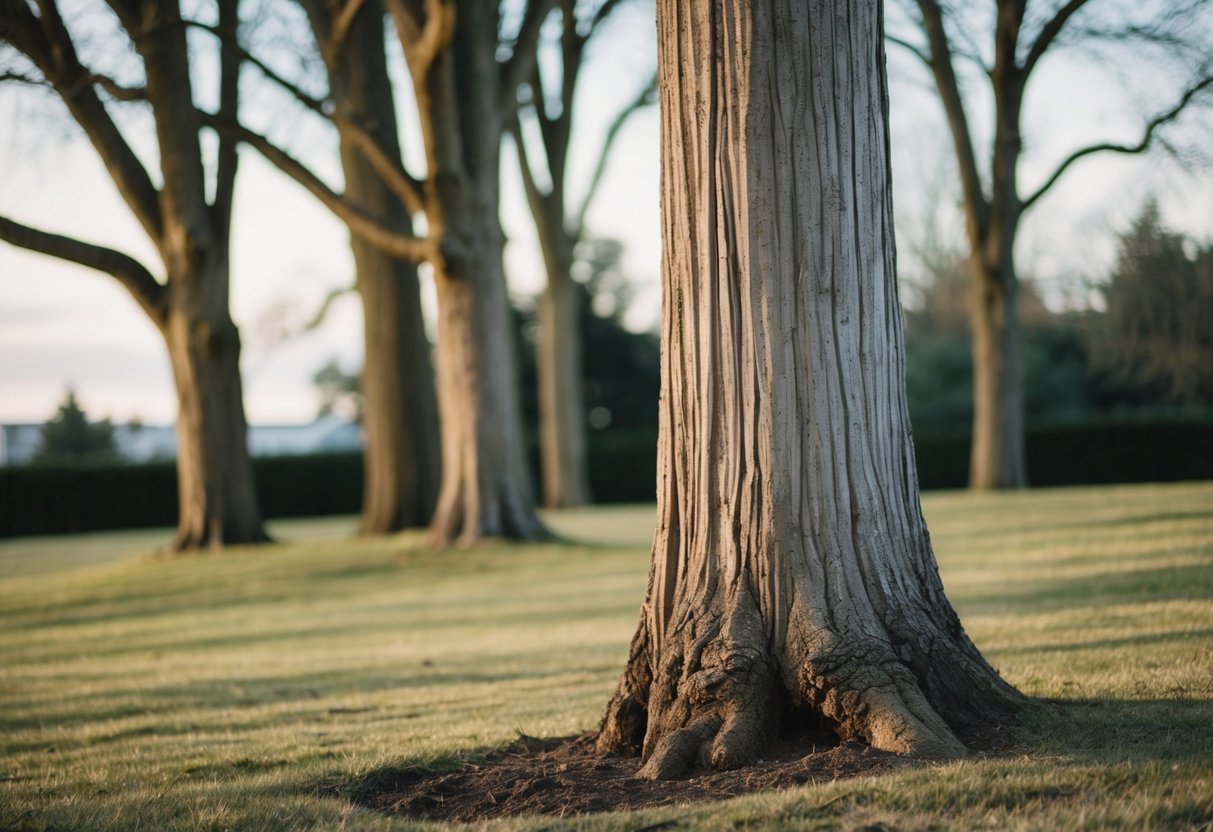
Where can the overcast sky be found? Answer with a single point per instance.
(62, 325)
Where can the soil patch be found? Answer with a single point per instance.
(566, 777)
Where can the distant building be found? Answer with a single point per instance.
(150, 443)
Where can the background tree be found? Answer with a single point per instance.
(69, 437)
(562, 443)
(1158, 322)
(1022, 34)
(465, 67)
(791, 567)
(189, 227)
(399, 409)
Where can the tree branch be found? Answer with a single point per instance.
(373, 229)
(342, 23)
(958, 123)
(646, 98)
(911, 48)
(46, 43)
(1147, 139)
(423, 40)
(1049, 33)
(394, 176)
(523, 56)
(229, 92)
(133, 275)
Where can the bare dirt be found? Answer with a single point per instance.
(565, 777)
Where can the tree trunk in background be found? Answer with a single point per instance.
(998, 457)
(400, 419)
(217, 498)
(218, 501)
(792, 571)
(562, 442)
(486, 488)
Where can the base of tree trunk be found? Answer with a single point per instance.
(723, 691)
(187, 542)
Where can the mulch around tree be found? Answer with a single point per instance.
(565, 777)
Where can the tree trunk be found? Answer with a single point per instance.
(485, 486)
(998, 457)
(558, 368)
(792, 571)
(400, 419)
(486, 490)
(217, 498)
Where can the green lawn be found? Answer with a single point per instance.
(250, 690)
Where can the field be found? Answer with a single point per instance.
(256, 688)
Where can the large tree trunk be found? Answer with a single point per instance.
(562, 443)
(792, 570)
(217, 498)
(400, 419)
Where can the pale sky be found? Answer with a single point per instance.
(62, 325)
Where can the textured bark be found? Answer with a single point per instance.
(400, 419)
(792, 570)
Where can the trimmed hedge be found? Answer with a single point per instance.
(622, 466)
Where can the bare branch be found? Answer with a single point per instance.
(394, 176)
(911, 48)
(342, 23)
(229, 92)
(46, 43)
(423, 40)
(521, 63)
(1143, 145)
(133, 275)
(958, 122)
(646, 98)
(1049, 33)
(534, 196)
(600, 16)
(371, 228)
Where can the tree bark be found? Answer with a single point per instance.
(217, 499)
(460, 92)
(485, 486)
(562, 443)
(400, 419)
(792, 571)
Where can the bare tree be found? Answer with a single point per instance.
(190, 230)
(791, 564)
(565, 479)
(1022, 35)
(400, 419)
(465, 67)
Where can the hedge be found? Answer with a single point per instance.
(622, 466)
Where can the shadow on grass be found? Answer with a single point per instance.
(1171, 731)
(1138, 586)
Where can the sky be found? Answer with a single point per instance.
(65, 326)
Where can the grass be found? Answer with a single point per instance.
(252, 689)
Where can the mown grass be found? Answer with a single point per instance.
(252, 689)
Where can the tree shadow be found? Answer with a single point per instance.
(1169, 731)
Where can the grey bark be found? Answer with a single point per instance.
(792, 569)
